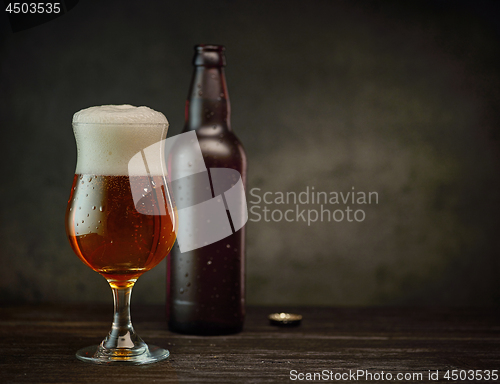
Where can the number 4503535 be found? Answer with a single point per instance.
(33, 8)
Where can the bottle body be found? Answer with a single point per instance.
(206, 286)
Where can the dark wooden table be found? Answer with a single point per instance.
(37, 345)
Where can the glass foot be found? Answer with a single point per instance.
(97, 355)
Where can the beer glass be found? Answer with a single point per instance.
(120, 219)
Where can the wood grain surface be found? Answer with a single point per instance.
(38, 343)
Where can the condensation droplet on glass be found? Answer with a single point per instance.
(181, 290)
(209, 262)
(93, 207)
(101, 208)
(200, 93)
(228, 246)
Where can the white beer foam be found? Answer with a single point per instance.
(107, 137)
(119, 114)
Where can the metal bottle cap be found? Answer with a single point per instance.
(285, 319)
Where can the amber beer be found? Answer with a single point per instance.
(108, 232)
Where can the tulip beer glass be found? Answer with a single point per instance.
(120, 219)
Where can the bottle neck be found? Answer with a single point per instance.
(207, 105)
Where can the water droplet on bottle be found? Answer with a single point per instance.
(88, 214)
(90, 179)
(209, 262)
(93, 207)
(221, 95)
(189, 164)
(214, 127)
(186, 275)
(181, 290)
(101, 208)
(200, 93)
(70, 209)
(228, 246)
(83, 221)
(188, 284)
(199, 85)
(81, 177)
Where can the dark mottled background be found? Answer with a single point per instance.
(397, 97)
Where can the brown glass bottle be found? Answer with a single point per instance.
(206, 286)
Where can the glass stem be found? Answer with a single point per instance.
(122, 335)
